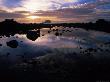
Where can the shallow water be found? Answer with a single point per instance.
(71, 38)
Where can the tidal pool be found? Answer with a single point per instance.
(70, 40)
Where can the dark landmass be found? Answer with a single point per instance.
(11, 27)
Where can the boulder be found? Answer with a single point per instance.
(0, 44)
(12, 44)
(32, 35)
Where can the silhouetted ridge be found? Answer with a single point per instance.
(10, 27)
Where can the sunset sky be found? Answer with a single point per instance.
(27, 11)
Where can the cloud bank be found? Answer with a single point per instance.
(55, 10)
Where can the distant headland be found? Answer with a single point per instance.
(11, 27)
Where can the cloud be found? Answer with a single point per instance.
(11, 3)
(5, 14)
(62, 10)
(66, 13)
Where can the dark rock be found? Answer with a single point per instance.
(57, 34)
(43, 35)
(21, 41)
(7, 54)
(91, 50)
(107, 43)
(0, 44)
(49, 31)
(17, 37)
(33, 35)
(12, 44)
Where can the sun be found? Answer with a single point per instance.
(33, 17)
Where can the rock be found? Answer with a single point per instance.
(33, 35)
(21, 41)
(7, 54)
(57, 34)
(0, 44)
(12, 44)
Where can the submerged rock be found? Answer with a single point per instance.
(12, 44)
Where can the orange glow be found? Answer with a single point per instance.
(38, 19)
(33, 17)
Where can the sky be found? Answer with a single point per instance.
(35, 11)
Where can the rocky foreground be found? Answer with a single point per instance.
(76, 56)
(88, 65)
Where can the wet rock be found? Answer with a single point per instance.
(49, 31)
(0, 44)
(43, 35)
(57, 34)
(107, 44)
(80, 48)
(101, 50)
(12, 44)
(7, 54)
(21, 41)
(33, 35)
(91, 50)
(17, 37)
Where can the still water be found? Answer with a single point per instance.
(70, 40)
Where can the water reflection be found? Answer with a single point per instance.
(71, 38)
